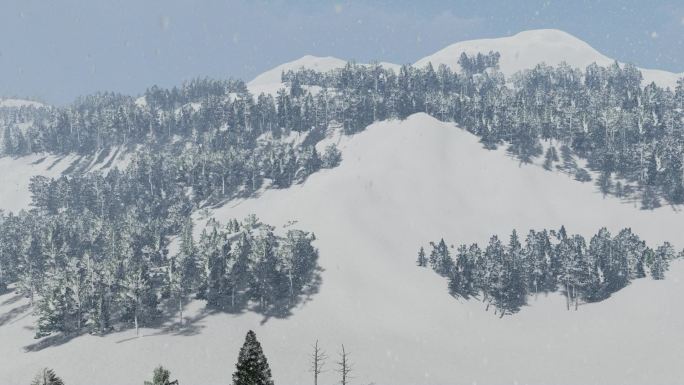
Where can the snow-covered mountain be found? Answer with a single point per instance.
(18, 103)
(269, 81)
(521, 51)
(527, 49)
(400, 185)
(17, 172)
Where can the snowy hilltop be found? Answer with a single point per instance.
(160, 229)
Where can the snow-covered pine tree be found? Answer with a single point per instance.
(661, 260)
(252, 366)
(238, 276)
(298, 260)
(331, 157)
(267, 278)
(422, 259)
(161, 376)
(47, 377)
(440, 258)
(550, 158)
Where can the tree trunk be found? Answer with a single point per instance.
(180, 310)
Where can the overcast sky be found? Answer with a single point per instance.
(54, 50)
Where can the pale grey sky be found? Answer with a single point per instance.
(55, 51)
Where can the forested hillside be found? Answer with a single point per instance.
(506, 275)
(209, 141)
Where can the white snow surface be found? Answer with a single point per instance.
(526, 49)
(400, 185)
(18, 103)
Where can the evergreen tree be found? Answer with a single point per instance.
(504, 275)
(161, 376)
(252, 366)
(661, 260)
(422, 259)
(440, 258)
(550, 158)
(47, 377)
(331, 157)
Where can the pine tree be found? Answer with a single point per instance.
(550, 158)
(440, 259)
(238, 276)
(161, 376)
(422, 259)
(331, 157)
(47, 377)
(344, 367)
(660, 261)
(8, 146)
(252, 366)
(317, 362)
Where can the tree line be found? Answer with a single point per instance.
(252, 367)
(505, 275)
(101, 264)
(630, 134)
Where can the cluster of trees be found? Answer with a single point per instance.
(210, 135)
(248, 263)
(93, 249)
(17, 127)
(631, 135)
(252, 367)
(505, 275)
(94, 254)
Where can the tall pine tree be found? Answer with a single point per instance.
(252, 367)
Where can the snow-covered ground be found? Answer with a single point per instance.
(18, 103)
(400, 185)
(526, 49)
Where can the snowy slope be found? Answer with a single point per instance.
(16, 175)
(529, 48)
(18, 103)
(400, 185)
(269, 81)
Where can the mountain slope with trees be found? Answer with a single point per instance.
(399, 185)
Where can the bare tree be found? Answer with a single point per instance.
(318, 358)
(344, 366)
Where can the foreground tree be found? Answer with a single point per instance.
(422, 259)
(344, 367)
(47, 377)
(318, 358)
(161, 376)
(252, 366)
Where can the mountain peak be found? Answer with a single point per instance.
(526, 49)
